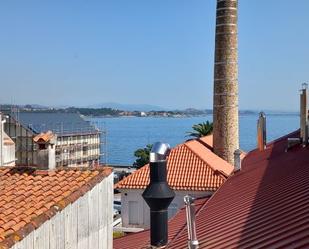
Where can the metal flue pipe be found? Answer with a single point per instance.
(190, 213)
(237, 160)
(261, 131)
(304, 114)
(158, 195)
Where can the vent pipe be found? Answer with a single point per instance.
(261, 131)
(237, 160)
(304, 114)
(190, 213)
(158, 195)
(303, 138)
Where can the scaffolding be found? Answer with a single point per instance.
(77, 144)
(101, 126)
(84, 146)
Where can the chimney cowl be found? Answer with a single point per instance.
(158, 195)
(159, 152)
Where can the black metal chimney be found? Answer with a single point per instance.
(158, 195)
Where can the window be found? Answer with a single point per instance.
(85, 150)
(42, 146)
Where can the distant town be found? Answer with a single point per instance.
(111, 112)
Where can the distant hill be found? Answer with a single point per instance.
(129, 107)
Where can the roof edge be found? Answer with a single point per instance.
(37, 221)
(217, 171)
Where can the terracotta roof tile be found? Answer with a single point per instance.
(191, 166)
(29, 197)
(44, 137)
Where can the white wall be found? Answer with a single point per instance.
(128, 195)
(86, 223)
(8, 155)
(7, 149)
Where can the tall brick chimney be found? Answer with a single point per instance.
(225, 104)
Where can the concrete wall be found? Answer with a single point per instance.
(135, 195)
(86, 223)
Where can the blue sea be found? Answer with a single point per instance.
(126, 134)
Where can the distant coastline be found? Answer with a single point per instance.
(104, 112)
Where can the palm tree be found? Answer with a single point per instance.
(201, 129)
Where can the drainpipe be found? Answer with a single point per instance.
(158, 195)
(190, 213)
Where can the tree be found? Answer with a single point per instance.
(142, 156)
(201, 129)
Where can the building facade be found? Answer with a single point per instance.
(75, 142)
(192, 169)
(136, 213)
(61, 208)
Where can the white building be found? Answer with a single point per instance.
(44, 209)
(192, 169)
(7, 146)
(76, 142)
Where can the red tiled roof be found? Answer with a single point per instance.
(45, 137)
(175, 226)
(191, 166)
(207, 140)
(29, 197)
(265, 205)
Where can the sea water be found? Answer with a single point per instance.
(124, 135)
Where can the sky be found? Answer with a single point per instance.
(157, 52)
